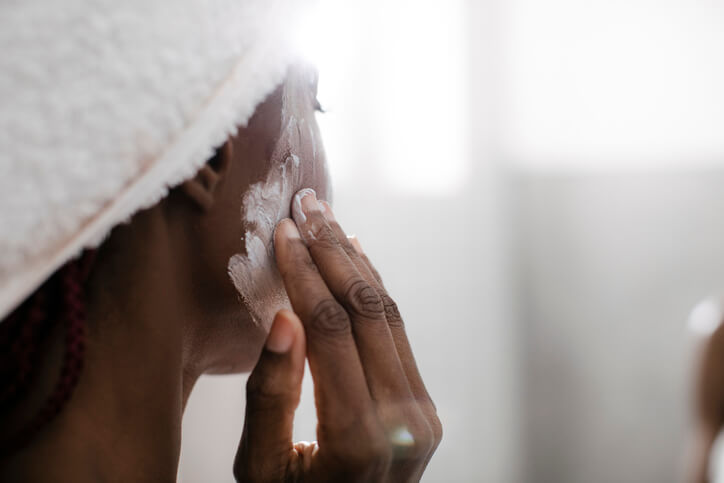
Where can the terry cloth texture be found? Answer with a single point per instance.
(106, 104)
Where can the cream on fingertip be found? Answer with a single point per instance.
(297, 208)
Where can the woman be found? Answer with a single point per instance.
(101, 354)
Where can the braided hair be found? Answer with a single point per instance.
(59, 301)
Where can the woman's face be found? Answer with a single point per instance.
(278, 153)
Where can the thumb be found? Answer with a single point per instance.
(272, 395)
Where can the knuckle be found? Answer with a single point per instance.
(436, 426)
(433, 422)
(363, 300)
(329, 318)
(423, 436)
(375, 456)
(378, 454)
(392, 313)
(424, 441)
(363, 447)
(377, 447)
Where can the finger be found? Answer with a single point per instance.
(358, 257)
(352, 247)
(383, 370)
(344, 406)
(427, 441)
(353, 284)
(273, 391)
(392, 314)
(404, 350)
(353, 240)
(397, 329)
(362, 257)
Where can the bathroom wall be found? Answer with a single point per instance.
(609, 268)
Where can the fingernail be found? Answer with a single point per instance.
(327, 211)
(355, 243)
(304, 201)
(281, 335)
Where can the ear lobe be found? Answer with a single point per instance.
(203, 188)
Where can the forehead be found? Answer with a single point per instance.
(296, 92)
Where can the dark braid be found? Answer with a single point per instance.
(59, 300)
(21, 333)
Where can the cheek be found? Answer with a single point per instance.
(298, 161)
(254, 273)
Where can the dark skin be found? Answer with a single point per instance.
(709, 404)
(162, 311)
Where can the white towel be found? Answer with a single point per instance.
(106, 104)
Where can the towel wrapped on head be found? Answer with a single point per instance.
(108, 104)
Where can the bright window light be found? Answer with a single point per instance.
(393, 80)
(601, 83)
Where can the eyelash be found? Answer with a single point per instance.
(318, 106)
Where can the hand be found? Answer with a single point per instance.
(376, 421)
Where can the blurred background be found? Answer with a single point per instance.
(540, 185)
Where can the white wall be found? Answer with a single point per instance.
(609, 268)
(612, 124)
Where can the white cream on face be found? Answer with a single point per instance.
(264, 205)
(255, 275)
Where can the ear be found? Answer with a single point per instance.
(203, 188)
